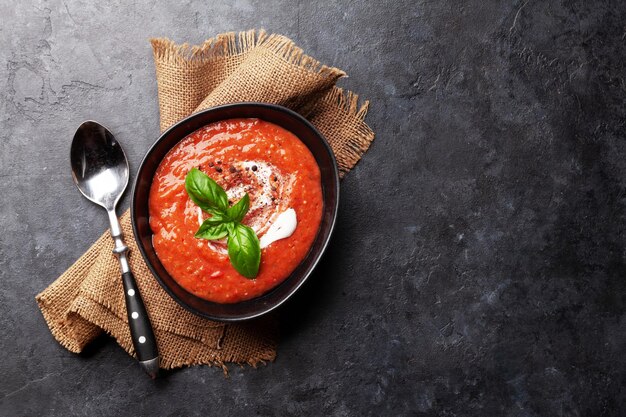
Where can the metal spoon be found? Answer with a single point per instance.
(100, 171)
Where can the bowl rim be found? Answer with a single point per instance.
(317, 257)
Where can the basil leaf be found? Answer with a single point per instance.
(244, 250)
(217, 217)
(239, 210)
(205, 192)
(212, 231)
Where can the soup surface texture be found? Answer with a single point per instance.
(277, 171)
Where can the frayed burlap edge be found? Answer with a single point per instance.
(229, 44)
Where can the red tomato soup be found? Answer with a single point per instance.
(242, 155)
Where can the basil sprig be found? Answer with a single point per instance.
(244, 249)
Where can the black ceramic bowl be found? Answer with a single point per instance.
(330, 190)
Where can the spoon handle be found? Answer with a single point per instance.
(140, 327)
(141, 331)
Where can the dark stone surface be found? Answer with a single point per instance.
(478, 266)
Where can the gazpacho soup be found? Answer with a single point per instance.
(243, 156)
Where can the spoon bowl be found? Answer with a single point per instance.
(99, 165)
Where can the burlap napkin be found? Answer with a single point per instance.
(250, 66)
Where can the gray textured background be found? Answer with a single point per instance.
(478, 266)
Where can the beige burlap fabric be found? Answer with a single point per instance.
(250, 66)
